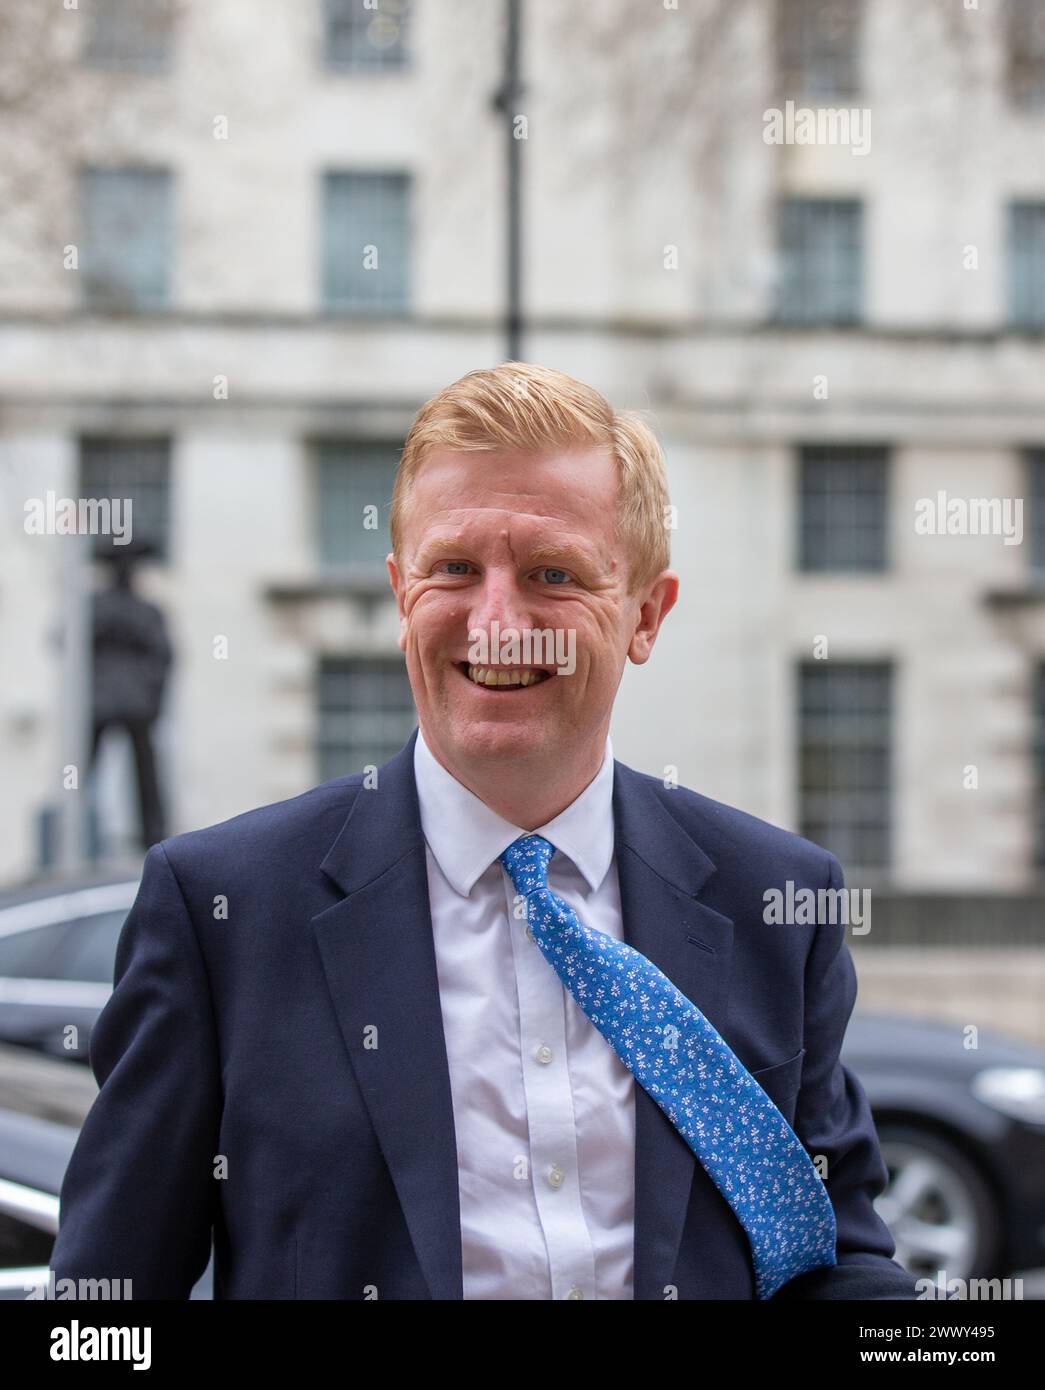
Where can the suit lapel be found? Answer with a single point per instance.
(378, 955)
(661, 872)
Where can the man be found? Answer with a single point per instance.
(504, 1020)
(132, 657)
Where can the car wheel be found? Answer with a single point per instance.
(939, 1210)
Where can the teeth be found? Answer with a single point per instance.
(484, 675)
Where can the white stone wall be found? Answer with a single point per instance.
(606, 191)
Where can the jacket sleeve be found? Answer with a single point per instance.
(137, 1199)
(833, 1119)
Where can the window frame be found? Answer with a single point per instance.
(796, 58)
(351, 66)
(128, 298)
(127, 64)
(329, 764)
(162, 540)
(806, 455)
(398, 307)
(1032, 256)
(814, 821)
(797, 256)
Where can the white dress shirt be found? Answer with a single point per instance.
(544, 1109)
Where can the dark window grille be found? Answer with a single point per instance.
(366, 713)
(366, 242)
(134, 468)
(366, 39)
(845, 749)
(818, 43)
(821, 261)
(1027, 265)
(126, 250)
(843, 508)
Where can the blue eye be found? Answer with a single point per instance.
(555, 576)
(456, 567)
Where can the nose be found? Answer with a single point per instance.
(499, 596)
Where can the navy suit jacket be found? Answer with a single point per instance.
(241, 1094)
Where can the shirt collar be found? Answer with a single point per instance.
(466, 836)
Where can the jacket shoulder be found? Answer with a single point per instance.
(728, 834)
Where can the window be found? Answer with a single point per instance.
(354, 491)
(818, 43)
(366, 713)
(366, 235)
(843, 508)
(1027, 265)
(34, 954)
(845, 715)
(125, 254)
(82, 949)
(821, 275)
(366, 38)
(128, 35)
(1026, 45)
(1035, 464)
(138, 469)
(90, 952)
(1039, 762)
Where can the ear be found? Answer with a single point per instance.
(396, 581)
(657, 602)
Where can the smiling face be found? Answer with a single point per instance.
(529, 542)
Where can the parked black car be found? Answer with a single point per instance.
(43, 1102)
(57, 951)
(962, 1133)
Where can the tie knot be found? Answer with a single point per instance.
(527, 860)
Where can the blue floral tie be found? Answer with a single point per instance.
(743, 1142)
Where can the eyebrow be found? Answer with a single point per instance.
(570, 553)
(454, 547)
(440, 548)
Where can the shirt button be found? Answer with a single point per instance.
(575, 1293)
(556, 1176)
(544, 1055)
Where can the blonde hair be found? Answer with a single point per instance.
(521, 406)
